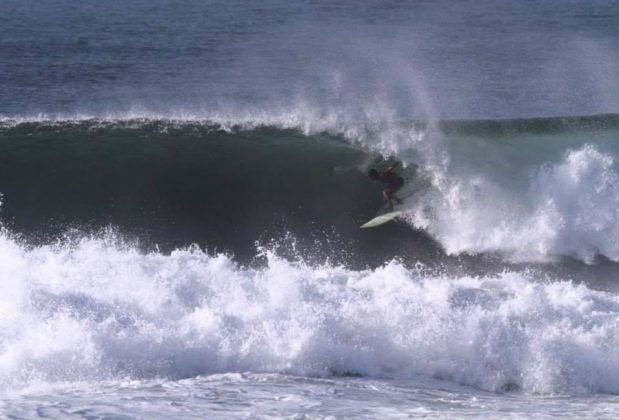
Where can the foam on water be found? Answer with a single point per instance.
(95, 309)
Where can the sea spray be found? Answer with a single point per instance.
(568, 208)
(96, 309)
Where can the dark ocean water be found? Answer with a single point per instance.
(182, 185)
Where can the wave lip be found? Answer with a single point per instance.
(97, 310)
(304, 117)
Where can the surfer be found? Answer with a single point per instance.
(392, 179)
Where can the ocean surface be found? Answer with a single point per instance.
(182, 185)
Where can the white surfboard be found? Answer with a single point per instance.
(382, 219)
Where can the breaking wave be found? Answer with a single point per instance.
(526, 189)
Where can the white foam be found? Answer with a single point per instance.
(98, 310)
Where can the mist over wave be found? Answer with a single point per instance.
(95, 309)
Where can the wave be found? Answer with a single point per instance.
(310, 120)
(527, 189)
(98, 309)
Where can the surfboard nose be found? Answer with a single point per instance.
(382, 219)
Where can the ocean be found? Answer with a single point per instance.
(182, 185)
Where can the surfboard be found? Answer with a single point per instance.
(382, 219)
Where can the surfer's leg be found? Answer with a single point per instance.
(395, 188)
(387, 194)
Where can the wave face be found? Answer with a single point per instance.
(97, 309)
(527, 190)
(173, 184)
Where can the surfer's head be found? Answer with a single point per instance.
(373, 173)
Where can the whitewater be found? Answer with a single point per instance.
(96, 316)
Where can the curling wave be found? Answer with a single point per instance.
(526, 189)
